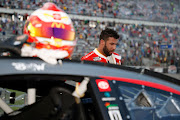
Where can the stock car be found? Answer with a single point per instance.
(84, 90)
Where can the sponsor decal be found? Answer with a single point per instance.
(103, 85)
(107, 94)
(96, 58)
(108, 99)
(30, 66)
(57, 16)
(111, 106)
(114, 115)
(113, 111)
(58, 25)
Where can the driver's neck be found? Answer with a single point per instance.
(101, 51)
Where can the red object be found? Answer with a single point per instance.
(95, 55)
(107, 104)
(103, 85)
(51, 28)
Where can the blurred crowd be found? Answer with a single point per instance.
(9, 27)
(159, 44)
(148, 10)
(136, 42)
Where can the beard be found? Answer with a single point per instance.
(106, 51)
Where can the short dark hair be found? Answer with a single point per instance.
(105, 34)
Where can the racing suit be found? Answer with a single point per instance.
(95, 55)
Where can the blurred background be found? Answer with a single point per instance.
(149, 29)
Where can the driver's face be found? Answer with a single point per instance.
(110, 46)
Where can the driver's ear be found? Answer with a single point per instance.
(102, 42)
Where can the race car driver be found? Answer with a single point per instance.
(105, 51)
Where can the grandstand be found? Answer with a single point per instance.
(154, 10)
(145, 26)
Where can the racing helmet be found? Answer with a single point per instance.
(51, 28)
